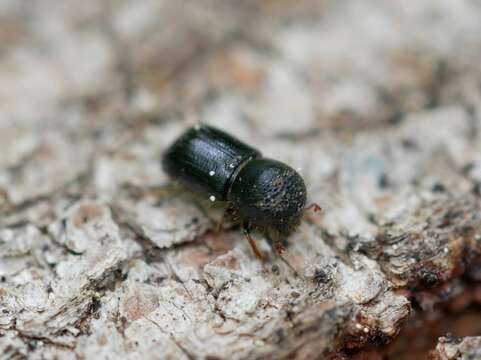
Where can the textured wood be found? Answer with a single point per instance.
(376, 103)
(448, 348)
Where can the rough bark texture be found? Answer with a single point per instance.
(377, 103)
(452, 349)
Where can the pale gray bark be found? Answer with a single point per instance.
(463, 349)
(376, 103)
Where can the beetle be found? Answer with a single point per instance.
(262, 193)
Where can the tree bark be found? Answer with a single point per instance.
(377, 104)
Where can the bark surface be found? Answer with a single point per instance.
(377, 104)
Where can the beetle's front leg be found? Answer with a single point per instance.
(246, 227)
(276, 242)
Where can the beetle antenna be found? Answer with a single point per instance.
(246, 227)
(306, 215)
(315, 207)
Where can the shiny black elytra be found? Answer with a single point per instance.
(262, 193)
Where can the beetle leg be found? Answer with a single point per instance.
(315, 207)
(279, 247)
(252, 242)
(276, 242)
(220, 225)
(227, 214)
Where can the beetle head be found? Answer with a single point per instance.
(269, 194)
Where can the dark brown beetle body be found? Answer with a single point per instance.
(263, 193)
